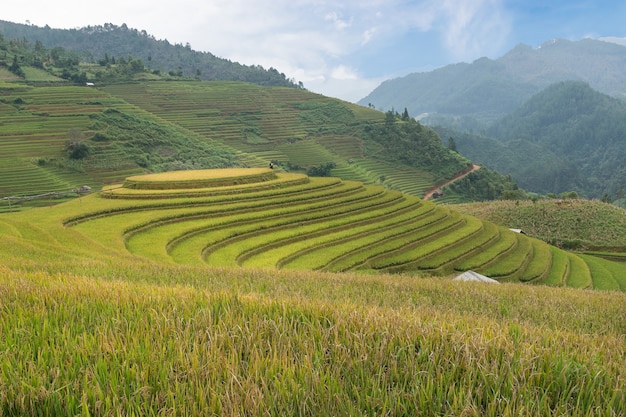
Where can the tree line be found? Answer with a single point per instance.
(93, 44)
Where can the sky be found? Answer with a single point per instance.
(346, 48)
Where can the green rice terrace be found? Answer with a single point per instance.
(259, 218)
(55, 138)
(217, 292)
(250, 291)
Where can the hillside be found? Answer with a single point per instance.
(249, 290)
(151, 126)
(488, 89)
(214, 124)
(262, 218)
(571, 223)
(568, 137)
(110, 335)
(101, 44)
(192, 291)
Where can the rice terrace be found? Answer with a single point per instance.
(217, 292)
(169, 270)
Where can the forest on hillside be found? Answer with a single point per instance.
(568, 137)
(108, 44)
(404, 140)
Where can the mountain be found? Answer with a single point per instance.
(567, 137)
(488, 89)
(95, 43)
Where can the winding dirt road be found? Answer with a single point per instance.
(457, 177)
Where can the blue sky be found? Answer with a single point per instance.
(342, 49)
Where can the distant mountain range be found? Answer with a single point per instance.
(488, 89)
(552, 117)
(568, 137)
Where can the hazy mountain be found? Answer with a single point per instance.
(567, 137)
(488, 89)
(93, 43)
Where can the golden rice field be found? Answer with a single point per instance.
(145, 303)
(199, 178)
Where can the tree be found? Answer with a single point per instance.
(15, 68)
(322, 170)
(390, 118)
(77, 150)
(452, 144)
(136, 65)
(405, 115)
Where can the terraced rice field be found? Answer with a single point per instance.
(244, 116)
(290, 221)
(264, 124)
(404, 179)
(35, 124)
(259, 121)
(277, 124)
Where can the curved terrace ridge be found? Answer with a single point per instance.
(297, 222)
(204, 178)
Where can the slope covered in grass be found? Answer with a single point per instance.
(260, 218)
(299, 129)
(575, 223)
(213, 342)
(93, 321)
(41, 127)
(59, 137)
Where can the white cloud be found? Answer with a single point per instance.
(312, 41)
(347, 89)
(343, 72)
(473, 28)
(338, 23)
(367, 35)
(613, 39)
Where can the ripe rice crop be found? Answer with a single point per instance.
(560, 267)
(540, 263)
(199, 178)
(96, 317)
(258, 343)
(580, 275)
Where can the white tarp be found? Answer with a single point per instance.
(474, 276)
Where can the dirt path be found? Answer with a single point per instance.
(460, 175)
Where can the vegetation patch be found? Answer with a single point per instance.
(251, 342)
(592, 223)
(176, 301)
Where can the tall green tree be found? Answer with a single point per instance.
(452, 144)
(15, 68)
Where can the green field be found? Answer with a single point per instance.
(142, 302)
(268, 292)
(243, 217)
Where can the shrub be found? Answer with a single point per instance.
(322, 170)
(77, 149)
(100, 137)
